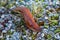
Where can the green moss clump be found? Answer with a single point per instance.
(57, 30)
(54, 22)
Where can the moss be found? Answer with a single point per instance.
(22, 22)
(57, 30)
(48, 37)
(45, 5)
(38, 15)
(55, 17)
(2, 39)
(42, 0)
(21, 38)
(9, 32)
(20, 0)
(9, 6)
(36, 0)
(2, 3)
(24, 32)
(34, 36)
(54, 22)
(46, 26)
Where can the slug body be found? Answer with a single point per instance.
(28, 18)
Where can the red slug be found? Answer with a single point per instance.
(28, 18)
